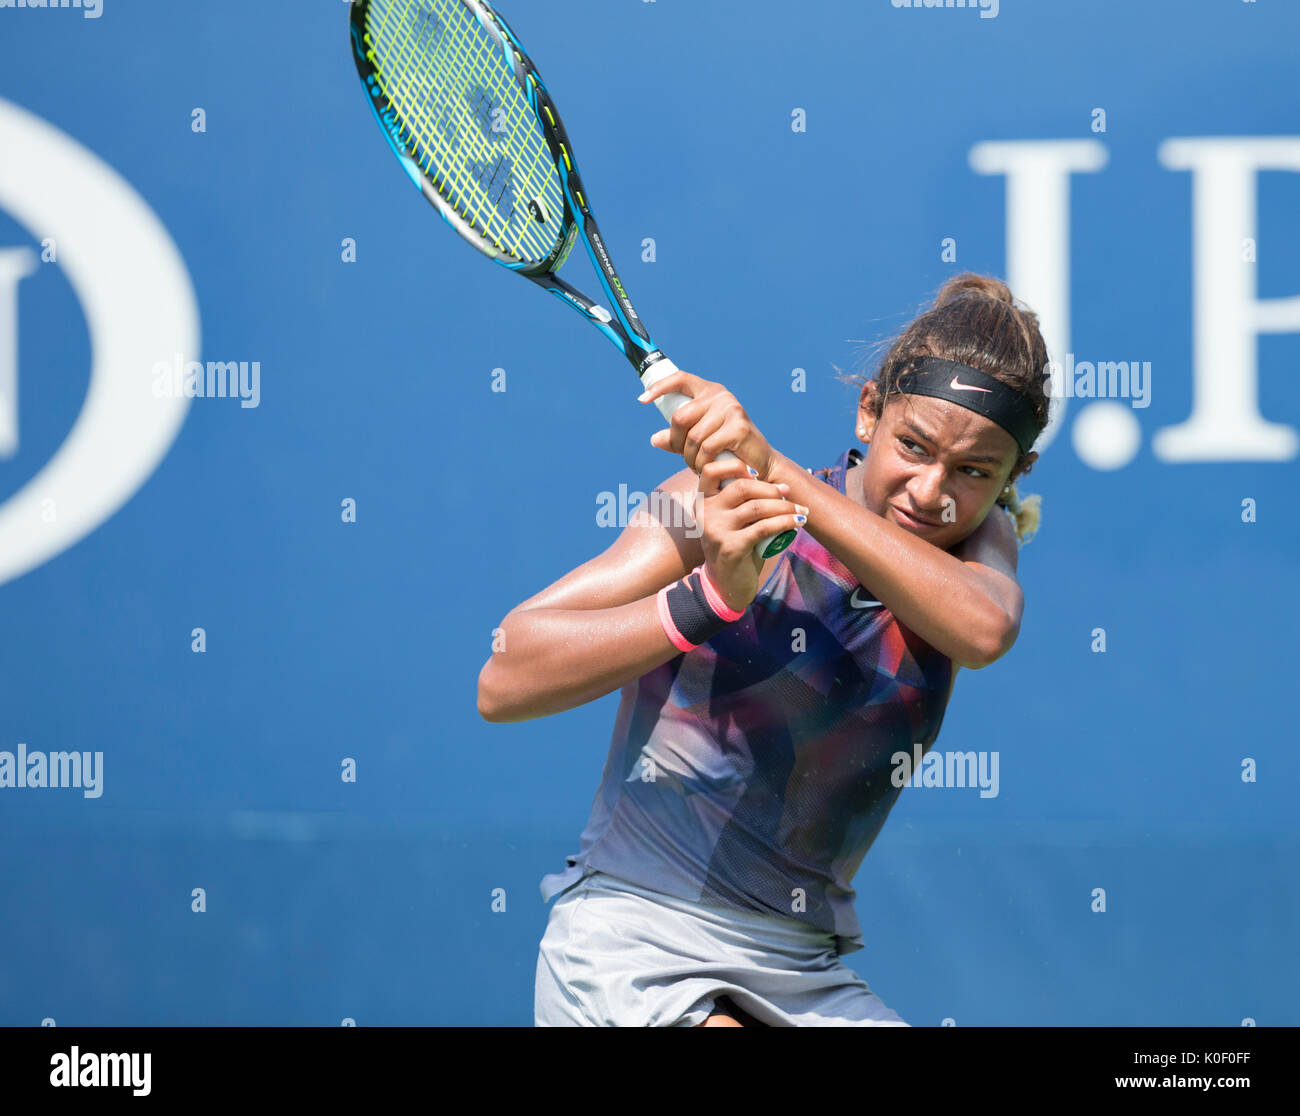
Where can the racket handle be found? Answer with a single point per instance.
(765, 548)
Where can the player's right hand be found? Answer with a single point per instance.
(732, 520)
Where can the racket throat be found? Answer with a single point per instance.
(655, 367)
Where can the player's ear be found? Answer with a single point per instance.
(866, 413)
(1030, 458)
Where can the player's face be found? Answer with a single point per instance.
(934, 468)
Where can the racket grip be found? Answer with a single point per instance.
(765, 548)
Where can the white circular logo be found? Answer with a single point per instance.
(140, 310)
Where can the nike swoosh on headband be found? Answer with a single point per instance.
(968, 387)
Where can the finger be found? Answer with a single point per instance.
(717, 475)
(680, 380)
(714, 475)
(733, 493)
(673, 437)
(765, 528)
(687, 414)
(751, 511)
(743, 540)
(695, 433)
(728, 434)
(670, 438)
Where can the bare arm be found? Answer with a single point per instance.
(598, 626)
(966, 603)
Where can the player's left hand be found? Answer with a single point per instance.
(711, 422)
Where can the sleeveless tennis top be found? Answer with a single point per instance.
(755, 770)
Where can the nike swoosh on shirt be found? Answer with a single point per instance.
(968, 387)
(855, 603)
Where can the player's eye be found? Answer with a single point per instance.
(915, 447)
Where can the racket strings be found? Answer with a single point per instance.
(467, 123)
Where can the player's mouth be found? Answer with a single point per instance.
(912, 521)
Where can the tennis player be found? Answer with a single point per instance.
(764, 703)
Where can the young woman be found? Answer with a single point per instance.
(765, 704)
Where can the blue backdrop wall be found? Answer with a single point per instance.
(185, 181)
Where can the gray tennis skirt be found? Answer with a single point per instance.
(616, 954)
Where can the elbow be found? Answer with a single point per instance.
(1003, 639)
(489, 707)
(1000, 638)
(500, 700)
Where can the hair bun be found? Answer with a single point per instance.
(969, 284)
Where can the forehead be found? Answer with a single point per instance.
(952, 428)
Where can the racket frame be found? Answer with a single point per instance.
(623, 328)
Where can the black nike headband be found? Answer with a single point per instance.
(976, 391)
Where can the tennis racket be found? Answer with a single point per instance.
(466, 113)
